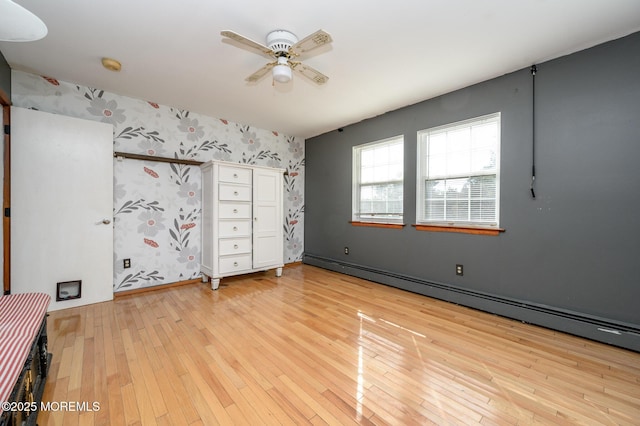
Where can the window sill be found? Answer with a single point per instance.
(378, 224)
(475, 230)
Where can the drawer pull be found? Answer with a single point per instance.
(235, 228)
(235, 264)
(235, 176)
(235, 246)
(235, 210)
(235, 193)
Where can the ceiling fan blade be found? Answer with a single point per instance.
(311, 73)
(19, 24)
(260, 73)
(313, 41)
(247, 42)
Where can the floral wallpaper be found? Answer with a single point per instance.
(156, 206)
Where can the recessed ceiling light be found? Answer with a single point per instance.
(111, 64)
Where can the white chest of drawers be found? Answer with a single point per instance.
(242, 220)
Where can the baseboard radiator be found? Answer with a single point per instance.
(603, 330)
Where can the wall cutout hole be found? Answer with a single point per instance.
(68, 290)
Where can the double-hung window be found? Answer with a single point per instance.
(378, 172)
(459, 173)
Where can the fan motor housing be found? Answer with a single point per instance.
(280, 41)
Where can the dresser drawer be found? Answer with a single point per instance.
(234, 263)
(235, 174)
(229, 246)
(228, 192)
(230, 210)
(234, 228)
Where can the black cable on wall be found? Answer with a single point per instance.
(534, 69)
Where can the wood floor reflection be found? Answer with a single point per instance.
(316, 347)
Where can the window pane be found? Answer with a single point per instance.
(437, 165)
(435, 189)
(485, 135)
(395, 171)
(457, 210)
(366, 158)
(366, 174)
(483, 187)
(396, 154)
(458, 152)
(457, 189)
(482, 160)
(381, 199)
(485, 141)
(394, 207)
(380, 155)
(437, 144)
(366, 193)
(434, 210)
(458, 140)
(483, 211)
(381, 173)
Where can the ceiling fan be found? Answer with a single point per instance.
(18, 24)
(284, 47)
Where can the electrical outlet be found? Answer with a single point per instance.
(126, 263)
(459, 270)
(346, 250)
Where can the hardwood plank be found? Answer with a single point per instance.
(131, 412)
(148, 367)
(114, 406)
(178, 400)
(317, 347)
(200, 401)
(75, 375)
(311, 399)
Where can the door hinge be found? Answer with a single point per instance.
(7, 212)
(7, 129)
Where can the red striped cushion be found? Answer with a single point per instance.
(21, 316)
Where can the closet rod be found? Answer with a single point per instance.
(117, 154)
(153, 158)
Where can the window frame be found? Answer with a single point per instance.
(356, 216)
(422, 175)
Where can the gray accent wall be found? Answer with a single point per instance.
(5, 76)
(567, 259)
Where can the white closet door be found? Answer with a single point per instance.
(61, 205)
(267, 218)
(208, 263)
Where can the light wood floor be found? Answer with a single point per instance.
(316, 347)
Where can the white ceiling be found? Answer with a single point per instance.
(384, 55)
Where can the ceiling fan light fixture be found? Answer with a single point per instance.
(19, 24)
(282, 73)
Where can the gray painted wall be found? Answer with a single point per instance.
(5, 76)
(570, 251)
(5, 86)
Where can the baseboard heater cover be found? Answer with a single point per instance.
(603, 330)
